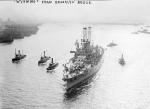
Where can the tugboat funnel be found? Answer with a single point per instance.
(44, 53)
(52, 60)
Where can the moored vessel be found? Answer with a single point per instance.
(86, 62)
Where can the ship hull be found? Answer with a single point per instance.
(89, 74)
(52, 67)
(43, 61)
(18, 59)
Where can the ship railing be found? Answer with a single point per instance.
(71, 76)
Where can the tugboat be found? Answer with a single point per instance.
(18, 56)
(52, 65)
(85, 64)
(43, 59)
(122, 61)
(111, 44)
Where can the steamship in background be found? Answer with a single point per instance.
(85, 64)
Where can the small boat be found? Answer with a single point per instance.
(111, 44)
(52, 65)
(142, 30)
(43, 59)
(18, 56)
(121, 60)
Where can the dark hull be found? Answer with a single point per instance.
(122, 63)
(19, 58)
(52, 67)
(86, 80)
(43, 61)
(111, 45)
(70, 85)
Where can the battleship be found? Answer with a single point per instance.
(85, 63)
(18, 56)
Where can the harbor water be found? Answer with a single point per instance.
(25, 85)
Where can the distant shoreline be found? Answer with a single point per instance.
(9, 31)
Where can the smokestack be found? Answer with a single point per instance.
(89, 34)
(84, 33)
(52, 61)
(44, 53)
(19, 52)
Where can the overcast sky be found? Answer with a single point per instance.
(114, 11)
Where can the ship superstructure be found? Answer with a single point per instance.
(43, 59)
(85, 62)
(18, 56)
